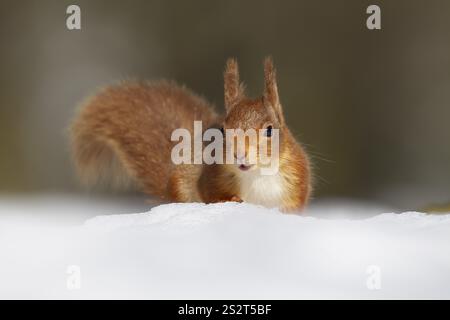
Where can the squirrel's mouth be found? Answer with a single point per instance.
(243, 167)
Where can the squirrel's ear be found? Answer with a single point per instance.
(271, 89)
(234, 90)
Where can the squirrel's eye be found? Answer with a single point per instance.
(268, 132)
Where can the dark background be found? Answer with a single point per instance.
(372, 107)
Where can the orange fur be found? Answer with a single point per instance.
(124, 133)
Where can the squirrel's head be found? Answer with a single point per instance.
(263, 114)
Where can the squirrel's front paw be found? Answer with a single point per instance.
(232, 199)
(236, 199)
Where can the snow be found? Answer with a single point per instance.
(220, 251)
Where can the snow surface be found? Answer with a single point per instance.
(226, 251)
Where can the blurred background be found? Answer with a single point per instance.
(371, 106)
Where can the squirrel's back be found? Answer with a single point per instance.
(124, 132)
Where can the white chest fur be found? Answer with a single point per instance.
(266, 190)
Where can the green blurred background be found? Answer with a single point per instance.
(372, 107)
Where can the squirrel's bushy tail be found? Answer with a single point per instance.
(122, 134)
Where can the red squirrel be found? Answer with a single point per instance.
(124, 133)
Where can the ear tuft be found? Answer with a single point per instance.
(234, 91)
(271, 88)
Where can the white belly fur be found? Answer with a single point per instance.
(266, 190)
